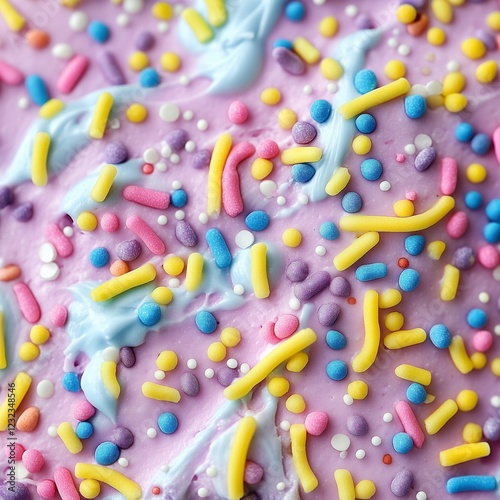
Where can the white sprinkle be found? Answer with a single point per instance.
(122, 20)
(52, 431)
(123, 462)
(162, 27)
(78, 21)
(244, 238)
(285, 425)
(169, 112)
(495, 401)
(421, 495)
(303, 199)
(49, 271)
(133, 6)
(162, 220)
(232, 363)
(209, 373)
(268, 188)
(188, 115)
(62, 51)
(434, 87)
(410, 149)
(496, 329)
(280, 200)
(166, 151)
(175, 158)
(23, 102)
(151, 155)
(202, 125)
(360, 454)
(396, 31)
(320, 250)
(319, 2)
(174, 283)
(151, 433)
(68, 231)
(190, 146)
(422, 141)
(340, 442)
(484, 297)
(179, 214)
(294, 304)
(453, 66)
(307, 89)
(348, 400)
(165, 468)
(202, 492)
(392, 42)
(114, 124)
(343, 454)
(192, 363)
(176, 184)
(160, 375)
(244, 368)
(385, 186)
(281, 486)
(111, 354)
(161, 166)
(47, 253)
(211, 471)
(45, 389)
(419, 89)
(238, 289)
(376, 440)
(184, 80)
(332, 87)
(351, 10)
(404, 50)
(496, 273)
(387, 417)
(203, 218)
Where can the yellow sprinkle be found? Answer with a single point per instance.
(162, 11)
(283, 351)
(440, 416)
(29, 351)
(472, 433)
(15, 21)
(298, 437)
(69, 438)
(363, 223)
(50, 109)
(476, 173)
(467, 400)
(356, 250)
(449, 284)
(301, 154)
(338, 181)
(345, 484)
(442, 10)
(292, 237)
(270, 96)
(390, 298)
(473, 48)
(297, 362)
(457, 3)
(374, 98)
(405, 338)
(137, 113)
(120, 284)
(357, 389)
(278, 386)
(406, 13)
(162, 295)
(3, 356)
(103, 183)
(436, 36)
(217, 163)
(21, 385)
(493, 20)
(453, 83)
(295, 404)
(306, 50)
(455, 103)
(394, 321)
(173, 265)
(138, 61)
(238, 456)
(362, 145)
(230, 336)
(128, 488)
(368, 353)
(198, 25)
(170, 61)
(331, 69)
(435, 249)
(39, 157)
(90, 488)
(160, 392)
(258, 271)
(73, 3)
(194, 272)
(261, 168)
(328, 26)
(287, 118)
(459, 355)
(395, 69)
(101, 115)
(167, 361)
(486, 72)
(216, 352)
(463, 453)
(365, 490)
(429, 399)
(87, 221)
(434, 101)
(495, 367)
(479, 360)
(414, 374)
(217, 14)
(404, 208)
(108, 376)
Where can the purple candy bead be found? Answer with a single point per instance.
(357, 425)
(402, 483)
(464, 258)
(24, 212)
(297, 271)
(425, 158)
(184, 232)
(6, 197)
(304, 132)
(289, 61)
(312, 285)
(127, 357)
(144, 41)
(115, 152)
(340, 287)
(129, 250)
(253, 472)
(226, 375)
(491, 429)
(177, 139)
(487, 38)
(122, 437)
(201, 159)
(364, 22)
(109, 68)
(190, 384)
(328, 313)
(21, 492)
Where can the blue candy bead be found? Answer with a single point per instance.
(335, 340)
(84, 430)
(283, 42)
(473, 200)
(71, 382)
(99, 257)
(303, 172)
(99, 31)
(370, 272)
(295, 11)
(219, 248)
(416, 393)
(493, 210)
(329, 231)
(149, 313)
(37, 89)
(352, 202)
(149, 78)
(440, 336)
(415, 244)
(402, 443)
(409, 280)
(107, 453)
(464, 132)
(336, 370)
(415, 106)
(366, 123)
(371, 169)
(365, 81)
(168, 423)
(257, 221)
(477, 318)
(179, 198)
(205, 321)
(481, 144)
(491, 232)
(320, 110)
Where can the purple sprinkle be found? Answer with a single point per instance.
(418, 4)
(6, 196)
(129, 250)
(109, 68)
(357, 425)
(289, 61)
(491, 429)
(425, 158)
(487, 38)
(226, 375)
(402, 483)
(144, 41)
(21, 492)
(253, 472)
(201, 159)
(304, 132)
(24, 212)
(297, 271)
(328, 313)
(340, 287)
(190, 384)
(311, 286)
(115, 152)
(184, 232)
(177, 139)
(122, 437)
(127, 357)
(464, 258)
(364, 22)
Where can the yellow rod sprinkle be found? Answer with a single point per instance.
(357, 249)
(368, 353)
(440, 416)
(101, 115)
(50, 109)
(198, 25)
(414, 374)
(459, 355)
(307, 478)
(217, 14)
(15, 21)
(128, 488)
(301, 154)
(39, 157)
(120, 284)
(258, 270)
(404, 338)
(283, 351)
(306, 50)
(390, 298)
(449, 285)
(21, 385)
(69, 438)
(338, 181)
(238, 456)
(3, 350)
(345, 484)
(160, 392)
(463, 453)
(382, 223)
(103, 183)
(374, 98)
(217, 163)
(194, 272)
(108, 376)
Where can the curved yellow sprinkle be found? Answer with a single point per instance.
(374, 98)
(39, 157)
(20, 387)
(217, 163)
(357, 249)
(449, 285)
(440, 416)
(103, 183)
(69, 438)
(198, 25)
(194, 272)
(338, 181)
(258, 270)
(390, 298)
(128, 488)
(382, 223)
(120, 284)
(160, 392)
(15, 21)
(238, 456)
(307, 478)
(283, 351)
(50, 109)
(301, 154)
(3, 354)
(414, 374)
(459, 355)
(217, 14)
(405, 338)
(108, 376)
(345, 484)
(101, 115)
(463, 453)
(368, 353)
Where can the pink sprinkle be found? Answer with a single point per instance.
(267, 332)
(449, 176)
(65, 484)
(400, 158)
(496, 143)
(59, 315)
(72, 74)
(253, 472)
(60, 241)
(482, 340)
(286, 325)
(83, 410)
(231, 194)
(27, 303)
(268, 149)
(146, 234)
(110, 222)
(411, 195)
(18, 451)
(316, 422)
(410, 423)
(33, 460)
(488, 256)
(238, 112)
(46, 489)
(457, 225)
(10, 75)
(147, 197)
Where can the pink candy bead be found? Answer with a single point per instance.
(449, 176)
(268, 149)
(18, 451)
(482, 340)
(488, 256)
(83, 410)
(59, 315)
(253, 472)
(267, 333)
(66, 484)
(33, 460)
(457, 225)
(316, 422)
(110, 222)
(411, 195)
(46, 489)
(27, 302)
(400, 158)
(286, 325)
(238, 112)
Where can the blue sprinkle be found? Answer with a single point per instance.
(365, 123)
(257, 220)
(303, 172)
(477, 318)
(37, 89)
(440, 336)
(415, 244)
(369, 272)
(409, 280)
(473, 200)
(149, 78)
(480, 144)
(149, 313)
(99, 257)
(402, 443)
(493, 210)
(168, 423)
(98, 31)
(371, 169)
(352, 202)
(71, 382)
(329, 231)
(295, 11)
(84, 430)
(460, 484)
(205, 321)
(336, 370)
(218, 247)
(365, 81)
(179, 198)
(415, 106)
(320, 110)
(283, 42)
(464, 132)
(335, 340)
(416, 394)
(491, 232)
(107, 453)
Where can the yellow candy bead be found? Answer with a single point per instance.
(404, 208)
(90, 488)
(166, 361)
(394, 321)
(453, 83)
(455, 103)
(495, 367)
(365, 489)
(216, 351)
(406, 13)
(328, 26)
(162, 295)
(261, 168)
(435, 249)
(29, 351)
(295, 403)
(136, 113)
(173, 265)
(395, 69)
(493, 20)
(486, 72)
(331, 69)
(138, 61)
(358, 389)
(476, 173)
(434, 101)
(297, 362)
(86, 221)
(287, 118)
(230, 336)
(479, 360)
(442, 11)
(473, 48)
(436, 36)
(278, 386)
(457, 3)
(292, 237)
(362, 145)
(472, 433)
(467, 400)
(162, 11)
(270, 96)
(39, 334)
(170, 61)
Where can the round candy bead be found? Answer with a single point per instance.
(493, 210)
(303, 132)
(115, 152)
(365, 81)
(177, 139)
(149, 78)
(295, 11)
(24, 212)
(464, 132)
(425, 159)
(168, 423)
(237, 112)
(129, 250)
(366, 123)
(357, 425)
(179, 198)
(335, 340)
(336, 370)
(253, 473)
(340, 287)
(278, 386)
(297, 271)
(71, 382)
(99, 31)
(467, 400)
(415, 244)
(84, 430)
(473, 200)
(440, 336)
(415, 106)
(464, 258)
(316, 422)
(257, 220)
(480, 144)
(476, 173)
(303, 172)
(127, 357)
(46, 489)
(352, 202)
(107, 453)
(477, 318)
(99, 257)
(33, 460)
(149, 313)
(362, 145)
(409, 280)
(402, 443)
(320, 110)
(190, 385)
(83, 411)
(416, 393)
(371, 169)
(226, 375)
(268, 149)
(329, 231)
(123, 437)
(491, 232)
(144, 40)
(491, 429)
(205, 321)
(201, 159)
(488, 256)
(21, 491)
(292, 237)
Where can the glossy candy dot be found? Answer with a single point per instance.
(137, 113)
(205, 321)
(365, 81)
(440, 336)
(366, 123)
(129, 250)
(123, 437)
(352, 202)
(84, 430)
(473, 200)
(179, 198)
(149, 78)
(257, 220)
(415, 106)
(316, 422)
(414, 244)
(467, 400)
(303, 172)
(295, 11)
(297, 271)
(303, 132)
(476, 173)
(329, 231)
(71, 382)
(491, 232)
(402, 443)
(416, 393)
(371, 169)
(336, 370)
(357, 425)
(149, 313)
(488, 256)
(238, 112)
(99, 31)
(480, 144)
(99, 257)
(477, 318)
(464, 132)
(107, 453)
(168, 423)
(320, 110)
(493, 210)
(335, 340)
(409, 280)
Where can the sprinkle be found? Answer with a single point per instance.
(3, 358)
(356, 250)
(402, 482)
(109, 68)
(160, 392)
(69, 438)
(39, 157)
(101, 115)
(436, 420)
(463, 453)
(72, 73)
(14, 20)
(10, 272)
(217, 164)
(65, 484)
(147, 197)
(143, 231)
(194, 272)
(311, 286)
(345, 484)
(298, 436)
(414, 374)
(302, 154)
(198, 25)
(9, 74)
(27, 302)
(405, 338)
(459, 355)
(260, 282)
(21, 384)
(338, 181)
(460, 484)
(410, 423)
(50, 109)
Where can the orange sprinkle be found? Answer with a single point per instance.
(419, 26)
(351, 300)
(147, 168)
(119, 267)
(403, 263)
(387, 459)
(37, 39)
(9, 273)
(156, 490)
